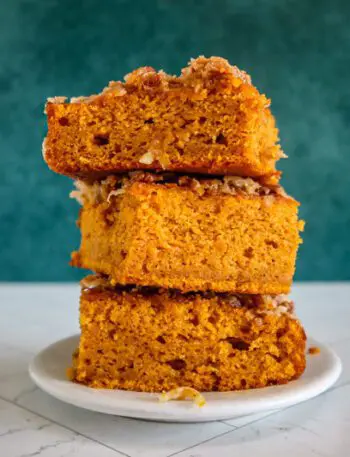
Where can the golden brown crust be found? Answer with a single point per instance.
(211, 119)
(156, 341)
(173, 236)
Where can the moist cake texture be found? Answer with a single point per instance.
(226, 235)
(192, 240)
(153, 340)
(211, 119)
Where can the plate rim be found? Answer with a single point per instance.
(143, 405)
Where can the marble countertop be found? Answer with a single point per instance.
(34, 424)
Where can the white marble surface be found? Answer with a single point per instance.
(34, 424)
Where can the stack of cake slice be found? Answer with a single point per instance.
(192, 240)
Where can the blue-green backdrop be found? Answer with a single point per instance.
(298, 52)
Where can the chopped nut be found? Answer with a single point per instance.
(183, 393)
(230, 185)
(147, 158)
(56, 99)
(116, 88)
(93, 282)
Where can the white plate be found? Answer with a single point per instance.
(48, 371)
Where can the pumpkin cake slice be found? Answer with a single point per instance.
(229, 234)
(153, 340)
(211, 119)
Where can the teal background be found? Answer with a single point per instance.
(298, 53)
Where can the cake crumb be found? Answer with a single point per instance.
(314, 350)
(183, 393)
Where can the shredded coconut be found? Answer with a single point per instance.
(84, 192)
(115, 193)
(43, 148)
(96, 192)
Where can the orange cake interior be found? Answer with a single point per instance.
(154, 340)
